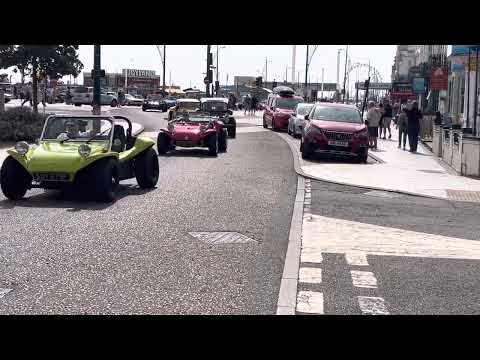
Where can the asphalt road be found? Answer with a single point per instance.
(409, 285)
(71, 256)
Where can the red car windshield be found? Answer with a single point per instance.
(340, 114)
(287, 103)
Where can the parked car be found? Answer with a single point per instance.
(183, 106)
(132, 100)
(155, 103)
(280, 106)
(193, 130)
(83, 95)
(334, 129)
(295, 123)
(219, 107)
(90, 153)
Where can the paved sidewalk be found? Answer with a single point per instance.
(402, 171)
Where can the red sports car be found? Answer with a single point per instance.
(193, 130)
(334, 129)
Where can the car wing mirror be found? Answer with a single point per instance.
(307, 117)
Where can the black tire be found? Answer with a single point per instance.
(114, 103)
(222, 140)
(363, 157)
(78, 104)
(212, 143)
(265, 125)
(274, 128)
(105, 174)
(232, 131)
(147, 169)
(288, 130)
(14, 179)
(163, 143)
(144, 108)
(306, 152)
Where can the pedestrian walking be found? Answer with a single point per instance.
(414, 116)
(402, 126)
(28, 94)
(120, 98)
(373, 121)
(15, 92)
(246, 104)
(386, 120)
(382, 112)
(254, 105)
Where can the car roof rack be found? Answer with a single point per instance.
(283, 90)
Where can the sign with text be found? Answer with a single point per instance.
(459, 50)
(418, 85)
(139, 73)
(373, 86)
(439, 79)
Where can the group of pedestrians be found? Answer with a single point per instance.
(26, 95)
(407, 121)
(250, 104)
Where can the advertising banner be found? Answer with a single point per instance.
(439, 79)
(418, 85)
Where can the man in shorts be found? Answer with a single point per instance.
(373, 119)
(386, 120)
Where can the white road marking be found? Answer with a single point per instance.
(371, 305)
(384, 194)
(328, 235)
(311, 255)
(310, 275)
(357, 258)
(310, 302)
(4, 291)
(222, 237)
(364, 279)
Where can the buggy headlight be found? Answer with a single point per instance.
(22, 147)
(84, 150)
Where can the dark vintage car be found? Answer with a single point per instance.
(157, 104)
(219, 107)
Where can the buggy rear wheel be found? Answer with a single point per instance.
(222, 141)
(147, 169)
(14, 179)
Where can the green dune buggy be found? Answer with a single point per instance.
(90, 153)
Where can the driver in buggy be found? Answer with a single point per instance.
(75, 129)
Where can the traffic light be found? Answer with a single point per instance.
(258, 81)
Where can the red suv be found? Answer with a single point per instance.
(334, 129)
(280, 106)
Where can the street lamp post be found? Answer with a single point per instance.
(345, 75)
(338, 72)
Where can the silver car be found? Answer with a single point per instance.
(295, 123)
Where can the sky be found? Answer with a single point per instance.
(187, 63)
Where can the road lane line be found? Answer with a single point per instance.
(364, 279)
(310, 302)
(371, 305)
(310, 275)
(357, 258)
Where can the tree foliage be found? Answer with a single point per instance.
(53, 61)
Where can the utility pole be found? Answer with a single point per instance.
(294, 54)
(322, 83)
(163, 58)
(216, 92)
(306, 70)
(338, 72)
(96, 80)
(207, 82)
(345, 75)
(266, 62)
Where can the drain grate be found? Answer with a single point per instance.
(463, 195)
(217, 238)
(4, 292)
(384, 194)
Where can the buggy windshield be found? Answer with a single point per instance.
(187, 105)
(78, 128)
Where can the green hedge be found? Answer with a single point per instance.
(21, 124)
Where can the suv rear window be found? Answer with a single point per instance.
(340, 114)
